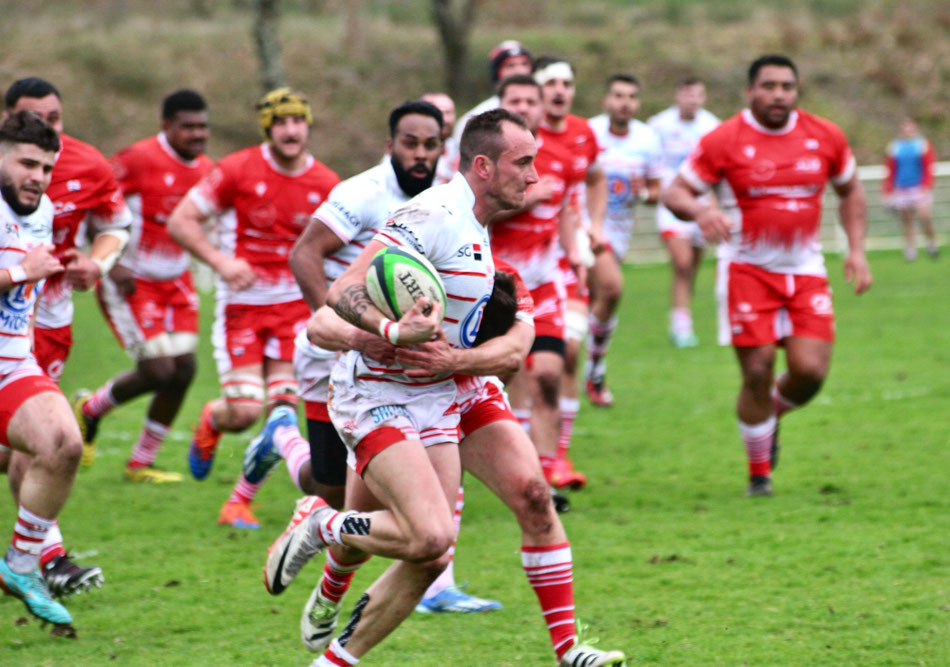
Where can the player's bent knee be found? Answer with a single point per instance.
(159, 373)
(430, 545)
(549, 386)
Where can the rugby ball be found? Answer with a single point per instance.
(397, 277)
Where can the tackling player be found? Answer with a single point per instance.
(35, 418)
(777, 160)
(630, 157)
(680, 127)
(264, 196)
(148, 298)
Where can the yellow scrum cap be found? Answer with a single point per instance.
(280, 103)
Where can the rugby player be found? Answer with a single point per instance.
(148, 298)
(680, 127)
(264, 196)
(630, 157)
(777, 160)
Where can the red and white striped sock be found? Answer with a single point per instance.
(294, 449)
(336, 656)
(28, 535)
(447, 578)
(781, 403)
(550, 572)
(758, 445)
(244, 491)
(569, 408)
(150, 441)
(337, 577)
(599, 335)
(100, 402)
(52, 545)
(523, 415)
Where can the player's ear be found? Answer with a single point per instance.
(389, 145)
(483, 166)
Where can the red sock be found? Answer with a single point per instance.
(550, 572)
(244, 491)
(337, 577)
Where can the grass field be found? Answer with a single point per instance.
(847, 564)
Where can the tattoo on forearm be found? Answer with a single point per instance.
(352, 304)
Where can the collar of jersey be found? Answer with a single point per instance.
(789, 126)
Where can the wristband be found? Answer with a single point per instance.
(17, 274)
(389, 330)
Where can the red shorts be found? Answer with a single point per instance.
(549, 310)
(15, 389)
(765, 307)
(156, 307)
(51, 348)
(482, 404)
(244, 335)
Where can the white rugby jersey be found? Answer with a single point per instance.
(354, 210)
(440, 224)
(18, 235)
(679, 137)
(634, 156)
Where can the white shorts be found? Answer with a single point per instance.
(909, 199)
(371, 416)
(671, 227)
(312, 372)
(617, 233)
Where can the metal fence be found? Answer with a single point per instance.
(884, 228)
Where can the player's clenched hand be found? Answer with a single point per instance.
(123, 279)
(714, 224)
(81, 272)
(430, 358)
(39, 263)
(237, 273)
(421, 322)
(857, 270)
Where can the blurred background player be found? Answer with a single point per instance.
(908, 186)
(88, 203)
(532, 240)
(35, 419)
(449, 159)
(630, 156)
(507, 59)
(264, 196)
(148, 298)
(680, 127)
(588, 202)
(777, 160)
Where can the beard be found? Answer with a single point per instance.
(411, 185)
(13, 201)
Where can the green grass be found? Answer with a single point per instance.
(847, 564)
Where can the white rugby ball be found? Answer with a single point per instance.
(397, 277)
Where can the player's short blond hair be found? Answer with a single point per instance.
(280, 103)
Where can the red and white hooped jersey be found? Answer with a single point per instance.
(440, 224)
(153, 178)
(355, 211)
(262, 210)
(18, 235)
(778, 178)
(84, 192)
(529, 240)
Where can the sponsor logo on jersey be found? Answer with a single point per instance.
(749, 151)
(473, 250)
(810, 164)
(406, 234)
(260, 188)
(468, 328)
(73, 185)
(169, 179)
(821, 304)
(313, 198)
(811, 144)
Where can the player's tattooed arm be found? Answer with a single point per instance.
(352, 304)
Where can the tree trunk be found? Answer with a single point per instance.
(454, 30)
(268, 44)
